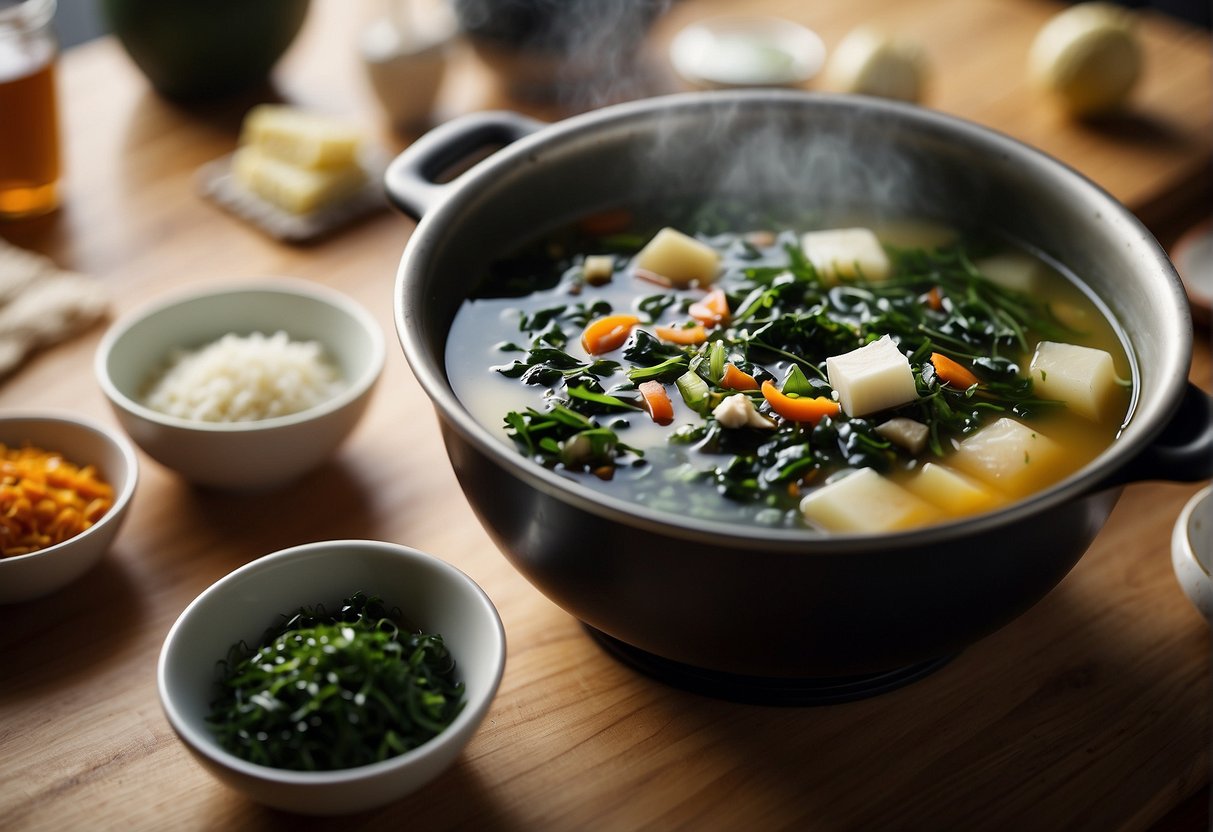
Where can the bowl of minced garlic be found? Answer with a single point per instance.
(65, 485)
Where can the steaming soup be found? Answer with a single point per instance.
(849, 376)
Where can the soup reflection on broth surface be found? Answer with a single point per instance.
(847, 376)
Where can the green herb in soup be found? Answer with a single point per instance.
(851, 379)
(327, 691)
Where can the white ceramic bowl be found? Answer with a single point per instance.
(241, 456)
(83, 442)
(1192, 550)
(746, 51)
(406, 62)
(434, 595)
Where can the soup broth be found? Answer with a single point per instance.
(877, 391)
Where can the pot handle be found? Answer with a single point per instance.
(1183, 452)
(414, 179)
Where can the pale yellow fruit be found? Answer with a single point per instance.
(871, 62)
(1088, 58)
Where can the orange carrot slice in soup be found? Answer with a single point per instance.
(734, 379)
(934, 299)
(657, 402)
(952, 372)
(712, 309)
(797, 408)
(682, 334)
(607, 333)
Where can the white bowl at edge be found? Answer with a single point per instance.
(1192, 550)
(434, 595)
(82, 442)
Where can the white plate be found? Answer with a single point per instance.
(745, 51)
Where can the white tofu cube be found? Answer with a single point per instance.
(846, 252)
(864, 501)
(1010, 456)
(682, 260)
(1013, 270)
(1082, 377)
(872, 378)
(907, 433)
(950, 490)
(598, 269)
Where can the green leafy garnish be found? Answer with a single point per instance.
(332, 691)
(603, 401)
(562, 436)
(549, 367)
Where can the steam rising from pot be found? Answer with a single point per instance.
(769, 156)
(583, 54)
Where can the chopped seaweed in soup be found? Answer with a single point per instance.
(847, 377)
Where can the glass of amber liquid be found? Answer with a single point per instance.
(29, 112)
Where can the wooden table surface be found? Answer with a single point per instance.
(1091, 711)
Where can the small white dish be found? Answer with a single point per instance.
(746, 51)
(241, 456)
(1192, 551)
(432, 594)
(406, 65)
(82, 442)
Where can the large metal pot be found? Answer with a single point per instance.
(725, 603)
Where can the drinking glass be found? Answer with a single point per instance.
(29, 116)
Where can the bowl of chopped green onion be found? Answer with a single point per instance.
(332, 677)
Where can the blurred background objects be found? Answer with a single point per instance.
(80, 20)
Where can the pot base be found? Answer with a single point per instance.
(763, 690)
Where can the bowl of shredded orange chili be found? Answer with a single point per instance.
(65, 485)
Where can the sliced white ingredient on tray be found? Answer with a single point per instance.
(302, 138)
(294, 189)
(297, 174)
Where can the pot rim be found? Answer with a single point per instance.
(1144, 427)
